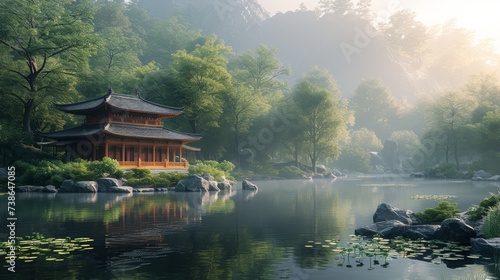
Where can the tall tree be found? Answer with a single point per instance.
(374, 107)
(449, 113)
(48, 42)
(261, 70)
(319, 118)
(201, 79)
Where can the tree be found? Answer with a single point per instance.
(260, 70)
(365, 140)
(407, 35)
(200, 79)
(373, 106)
(49, 43)
(319, 118)
(363, 10)
(337, 7)
(448, 114)
(408, 143)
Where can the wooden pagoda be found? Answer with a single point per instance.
(126, 128)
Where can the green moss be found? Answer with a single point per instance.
(442, 211)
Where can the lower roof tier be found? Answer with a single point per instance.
(123, 130)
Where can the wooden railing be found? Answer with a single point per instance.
(149, 164)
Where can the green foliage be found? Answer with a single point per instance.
(445, 170)
(55, 172)
(214, 168)
(291, 172)
(146, 179)
(480, 211)
(354, 159)
(140, 173)
(491, 226)
(104, 168)
(442, 211)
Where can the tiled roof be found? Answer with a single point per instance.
(122, 103)
(153, 132)
(123, 130)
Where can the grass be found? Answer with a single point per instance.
(491, 226)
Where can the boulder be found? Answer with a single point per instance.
(225, 185)
(482, 174)
(395, 228)
(213, 186)
(456, 230)
(386, 212)
(122, 189)
(382, 228)
(246, 185)
(321, 169)
(193, 183)
(29, 188)
(145, 190)
(330, 175)
(494, 178)
(426, 232)
(68, 186)
(104, 184)
(417, 175)
(485, 247)
(208, 177)
(49, 189)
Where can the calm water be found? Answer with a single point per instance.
(238, 235)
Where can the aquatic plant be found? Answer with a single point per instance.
(38, 247)
(378, 252)
(433, 196)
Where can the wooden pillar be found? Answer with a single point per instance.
(140, 150)
(94, 156)
(106, 146)
(123, 151)
(154, 153)
(180, 154)
(168, 153)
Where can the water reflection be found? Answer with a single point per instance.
(229, 235)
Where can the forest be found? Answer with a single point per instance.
(328, 93)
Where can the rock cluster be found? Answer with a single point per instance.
(391, 222)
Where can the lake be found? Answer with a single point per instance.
(237, 235)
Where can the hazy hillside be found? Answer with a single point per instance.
(345, 45)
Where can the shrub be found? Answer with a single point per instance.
(442, 211)
(491, 225)
(161, 180)
(291, 172)
(106, 167)
(212, 167)
(139, 173)
(484, 207)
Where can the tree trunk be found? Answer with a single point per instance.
(28, 108)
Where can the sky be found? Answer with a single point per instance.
(481, 16)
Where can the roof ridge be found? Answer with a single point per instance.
(85, 101)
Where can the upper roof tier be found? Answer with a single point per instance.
(120, 103)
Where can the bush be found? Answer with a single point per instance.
(484, 207)
(212, 167)
(106, 167)
(161, 180)
(291, 172)
(442, 211)
(446, 170)
(491, 225)
(139, 173)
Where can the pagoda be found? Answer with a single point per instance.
(125, 128)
